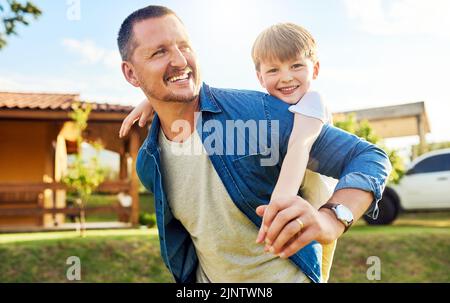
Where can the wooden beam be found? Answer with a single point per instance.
(395, 111)
(111, 187)
(59, 115)
(123, 172)
(134, 191)
(422, 133)
(12, 212)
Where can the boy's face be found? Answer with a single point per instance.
(288, 80)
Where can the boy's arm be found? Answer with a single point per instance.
(143, 112)
(362, 170)
(304, 133)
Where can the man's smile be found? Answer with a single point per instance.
(180, 77)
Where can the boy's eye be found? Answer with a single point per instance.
(185, 48)
(273, 70)
(298, 65)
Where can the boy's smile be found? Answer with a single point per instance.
(288, 80)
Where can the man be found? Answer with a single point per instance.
(209, 204)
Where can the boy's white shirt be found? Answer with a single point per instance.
(312, 105)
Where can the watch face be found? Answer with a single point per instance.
(343, 213)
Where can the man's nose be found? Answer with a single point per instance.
(178, 59)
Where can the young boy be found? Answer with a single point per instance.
(285, 57)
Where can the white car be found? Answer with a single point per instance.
(425, 186)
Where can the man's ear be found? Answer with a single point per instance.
(260, 78)
(316, 70)
(130, 74)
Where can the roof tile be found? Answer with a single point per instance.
(46, 101)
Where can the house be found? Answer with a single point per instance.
(36, 136)
(395, 121)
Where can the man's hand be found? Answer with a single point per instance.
(143, 112)
(285, 235)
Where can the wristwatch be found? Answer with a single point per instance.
(341, 212)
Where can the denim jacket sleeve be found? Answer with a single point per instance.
(354, 161)
(145, 168)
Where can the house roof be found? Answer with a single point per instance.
(393, 121)
(52, 101)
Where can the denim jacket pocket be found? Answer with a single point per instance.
(259, 179)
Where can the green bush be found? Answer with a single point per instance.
(363, 130)
(147, 219)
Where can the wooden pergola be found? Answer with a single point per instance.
(35, 139)
(395, 121)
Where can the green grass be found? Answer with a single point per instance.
(108, 256)
(415, 249)
(145, 204)
(407, 254)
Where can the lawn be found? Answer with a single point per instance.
(145, 204)
(415, 249)
(106, 256)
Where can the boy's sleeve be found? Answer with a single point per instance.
(312, 105)
(355, 162)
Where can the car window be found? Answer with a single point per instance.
(433, 164)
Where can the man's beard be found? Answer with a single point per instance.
(176, 98)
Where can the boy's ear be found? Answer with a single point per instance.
(260, 78)
(316, 70)
(129, 73)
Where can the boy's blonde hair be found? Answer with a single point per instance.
(282, 42)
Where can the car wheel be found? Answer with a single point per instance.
(388, 212)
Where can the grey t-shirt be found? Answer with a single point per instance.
(224, 238)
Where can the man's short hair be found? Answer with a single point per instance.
(282, 42)
(125, 39)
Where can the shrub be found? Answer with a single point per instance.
(147, 219)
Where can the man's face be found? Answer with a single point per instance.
(288, 80)
(163, 61)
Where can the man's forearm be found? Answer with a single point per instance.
(357, 164)
(358, 201)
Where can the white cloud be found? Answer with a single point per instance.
(92, 54)
(394, 17)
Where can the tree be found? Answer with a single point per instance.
(83, 177)
(363, 130)
(416, 151)
(13, 13)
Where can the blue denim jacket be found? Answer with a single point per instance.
(355, 162)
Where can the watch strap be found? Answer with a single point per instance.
(331, 206)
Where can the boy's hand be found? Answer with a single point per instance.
(290, 224)
(143, 112)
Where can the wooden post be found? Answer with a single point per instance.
(123, 177)
(123, 173)
(422, 133)
(134, 192)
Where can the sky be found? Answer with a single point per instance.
(372, 52)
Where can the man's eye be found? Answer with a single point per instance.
(159, 52)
